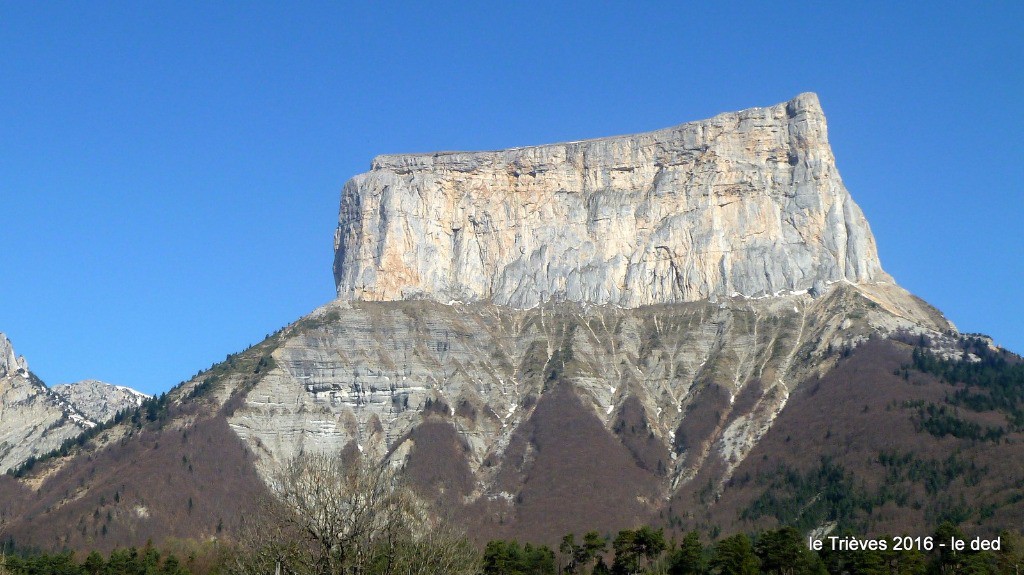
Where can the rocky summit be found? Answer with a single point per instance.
(10, 362)
(747, 203)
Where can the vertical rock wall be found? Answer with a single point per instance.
(747, 203)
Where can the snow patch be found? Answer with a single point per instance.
(81, 420)
(780, 293)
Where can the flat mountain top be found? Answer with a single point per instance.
(746, 203)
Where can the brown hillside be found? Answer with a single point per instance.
(192, 482)
(861, 421)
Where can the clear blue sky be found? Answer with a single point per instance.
(170, 171)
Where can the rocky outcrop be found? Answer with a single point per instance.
(747, 203)
(97, 400)
(35, 419)
(10, 363)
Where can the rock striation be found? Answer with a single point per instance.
(706, 379)
(99, 401)
(747, 203)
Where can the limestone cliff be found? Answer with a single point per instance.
(746, 203)
(679, 230)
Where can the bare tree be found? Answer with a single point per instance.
(337, 516)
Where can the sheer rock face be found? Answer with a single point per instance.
(97, 400)
(746, 203)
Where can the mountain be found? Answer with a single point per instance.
(689, 327)
(97, 400)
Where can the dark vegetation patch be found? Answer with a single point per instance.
(437, 467)
(703, 417)
(466, 410)
(983, 381)
(936, 475)
(190, 558)
(436, 407)
(941, 420)
(831, 493)
(808, 499)
(748, 397)
(634, 431)
(566, 473)
(153, 485)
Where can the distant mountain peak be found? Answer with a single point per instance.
(97, 400)
(33, 420)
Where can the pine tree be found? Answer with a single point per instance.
(688, 559)
(734, 556)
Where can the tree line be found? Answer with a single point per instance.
(130, 561)
(641, 551)
(782, 551)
